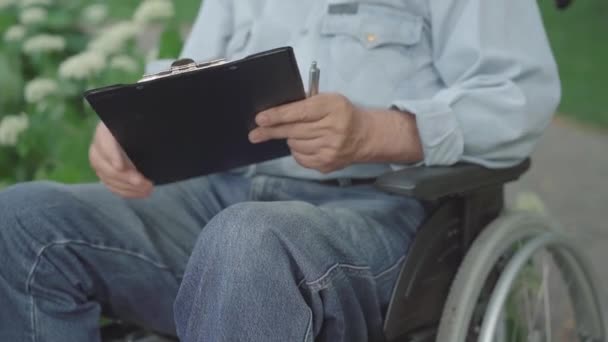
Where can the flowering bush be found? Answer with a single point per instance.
(52, 51)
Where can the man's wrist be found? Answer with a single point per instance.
(390, 136)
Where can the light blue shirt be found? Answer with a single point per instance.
(478, 75)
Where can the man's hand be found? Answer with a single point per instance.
(114, 168)
(327, 133)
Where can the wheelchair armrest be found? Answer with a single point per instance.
(432, 183)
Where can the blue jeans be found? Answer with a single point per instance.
(219, 258)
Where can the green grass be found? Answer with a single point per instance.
(579, 37)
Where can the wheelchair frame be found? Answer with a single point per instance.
(443, 277)
(463, 200)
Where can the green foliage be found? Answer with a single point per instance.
(91, 44)
(578, 37)
(11, 83)
(170, 43)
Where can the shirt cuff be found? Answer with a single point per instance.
(440, 134)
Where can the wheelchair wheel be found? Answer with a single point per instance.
(513, 283)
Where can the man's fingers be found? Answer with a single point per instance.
(302, 131)
(109, 147)
(127, 190)
(103, 166)
(307, 147)
(118, 181)
(127, 193)
(113, 153)
(143, 186)
(312, 162)
(305, 160)
(114, 168)
(308, 110)
(106, 170)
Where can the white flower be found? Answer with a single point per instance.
(33, 15)
(6, 3)
(43, 43)
(14, 33)
(529, 201)
(113, 38)
(82, 65)
(39, 88)
(26, 3)
(124, 63)
(153, 10)
(95, 14)
(11, 126)
(152, 54)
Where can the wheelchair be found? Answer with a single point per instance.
(463, 266)
(464, 262)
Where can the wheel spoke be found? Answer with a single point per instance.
(521, 310)
(545, 286)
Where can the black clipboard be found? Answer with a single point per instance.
(195, 121)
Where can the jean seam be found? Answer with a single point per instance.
(94, 246)
(362, 271)
(105, 248)
(256, 188)
(309, 327)
(33, 319)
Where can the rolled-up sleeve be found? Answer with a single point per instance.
(501, 83)
(209, 35)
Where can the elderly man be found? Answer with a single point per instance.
(300, 248)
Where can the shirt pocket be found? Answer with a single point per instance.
(376, 42)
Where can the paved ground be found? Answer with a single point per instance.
(569, 179)
(570, 176)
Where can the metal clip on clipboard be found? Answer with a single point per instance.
(181, 66)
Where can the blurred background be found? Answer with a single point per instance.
(568, 180)
(53, 50)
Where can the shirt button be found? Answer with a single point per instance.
(371, 38)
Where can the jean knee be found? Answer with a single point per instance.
(32, 195)
(255, 233)
(21, 229)
(247, 244)
(28, 214)
(257, 221)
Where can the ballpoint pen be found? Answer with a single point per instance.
(313, 82)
